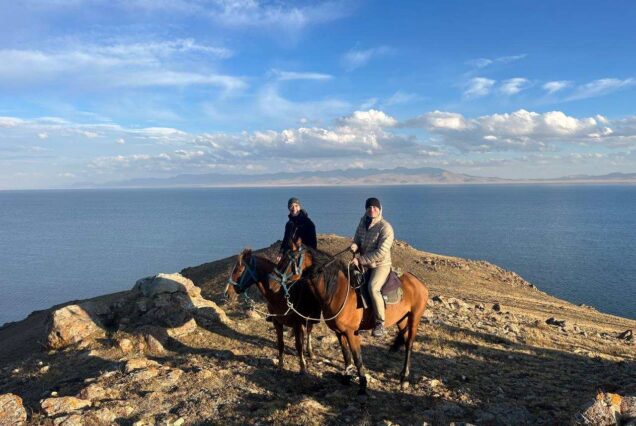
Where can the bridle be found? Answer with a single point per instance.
(243, 281)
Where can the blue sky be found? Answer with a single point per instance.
(95, 91)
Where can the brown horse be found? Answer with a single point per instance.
(250, 269)
(340, 309)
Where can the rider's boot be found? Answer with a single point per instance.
(378, 330)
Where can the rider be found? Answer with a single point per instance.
(298, 226)
(373, 241)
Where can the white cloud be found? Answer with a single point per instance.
(356, 58)
(439, 120)
(555, 86)
(478, 87)
(601, 87)
(130, 65)
(10, 122)
(238, 13)
(368, 119)
(293, 75)
(484, 62)
(43, 135)
(513, 86)
(401, 97)
(270, 103)
(371, 137)
(518, 131)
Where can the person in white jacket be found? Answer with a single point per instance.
(372, 244)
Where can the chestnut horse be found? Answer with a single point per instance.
(342, 314)
(250, 269)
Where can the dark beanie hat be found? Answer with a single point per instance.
(293, 200)
(372, 202)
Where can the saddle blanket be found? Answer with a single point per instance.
(391, 291)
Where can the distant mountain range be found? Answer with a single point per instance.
(396, 176)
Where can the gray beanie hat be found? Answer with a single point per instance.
(293, 200)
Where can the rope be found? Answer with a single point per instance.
(291, 306)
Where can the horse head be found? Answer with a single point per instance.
(243, 274)
(292, 265)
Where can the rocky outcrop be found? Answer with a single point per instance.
(72, 324)
(142, 320)
(12, 411)
(490, 350)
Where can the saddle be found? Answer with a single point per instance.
(391, 290)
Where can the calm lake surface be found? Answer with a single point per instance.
(575, 242)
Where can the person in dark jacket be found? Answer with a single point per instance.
(298, 226)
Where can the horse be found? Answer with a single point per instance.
(341, 312)
(250, 269)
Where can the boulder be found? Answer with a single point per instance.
(172, 300)
(12, 411)
(72, 324)
(604, 410)
(63, 405)
(166, 283)
(628, 407)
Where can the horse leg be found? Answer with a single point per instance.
(281, 344)
(346, 354)
(399, 339)
(410, 339)
(356, 351)
(310, 348)
(299, 333)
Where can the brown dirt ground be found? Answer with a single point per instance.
(471, 364)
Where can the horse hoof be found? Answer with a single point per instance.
(405, 385)
(362, 393)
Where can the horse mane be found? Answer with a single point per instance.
(329, 272)
(247, 252)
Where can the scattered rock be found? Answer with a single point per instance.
(626, 335)
(154, 345)
(183, 330)
(63, 405)
(555, 322)
(96, 392)
(604, 410)
(72, 420)
(72, 324)
(126, 345)
(628, 407)
(140, 363)
(496, 307)
(12, 411)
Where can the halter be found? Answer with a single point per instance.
(294, 267)
(243, 283)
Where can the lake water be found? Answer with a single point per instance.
(575, 242)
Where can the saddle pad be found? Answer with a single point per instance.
(390, 298)
(392, 283)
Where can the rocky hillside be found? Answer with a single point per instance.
(492, 349)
